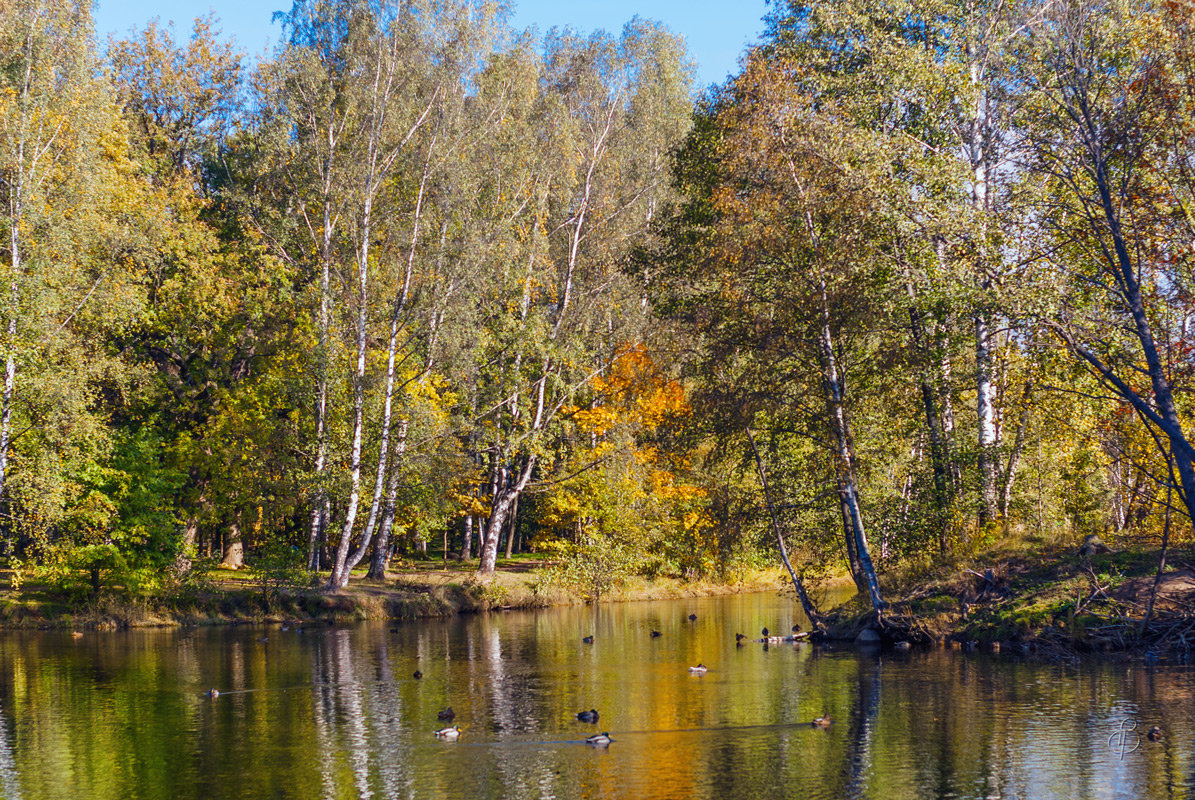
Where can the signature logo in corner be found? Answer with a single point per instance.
(1125, 738)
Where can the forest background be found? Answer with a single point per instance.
(915, 280)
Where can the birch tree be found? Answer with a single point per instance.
(608, 112)
(776, 264)
(1106, 150)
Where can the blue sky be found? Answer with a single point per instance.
(716, 31)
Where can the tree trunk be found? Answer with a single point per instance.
(849, 493)
(186, 553)
(399, 308)
(321, 501)
(979, 157)
(340, 569)
(933, 425)
(985, 408)
(806, 603)
(510, 528)
(1018, 447)
(1153, 592)
(381, 552)
(467, 539)
(16, 200)
(848, 540)
(234, 547)
(506, 496)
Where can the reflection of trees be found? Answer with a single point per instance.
(356, 718)
(10, 784)
(862, 722)
(95, 718)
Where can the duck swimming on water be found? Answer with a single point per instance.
(449, 734)
(599, 739)
(700, 669)
(588, 716)
(447, 715)
(823, 721)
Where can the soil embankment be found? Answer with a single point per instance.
(1048, 601)
(225, 597)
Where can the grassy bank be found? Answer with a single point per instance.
(427, 590)
(1045, 599)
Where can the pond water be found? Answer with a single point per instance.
(335, 712)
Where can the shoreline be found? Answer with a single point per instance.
(406, 595)
(1048, 602)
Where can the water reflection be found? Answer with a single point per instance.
(10, 786)
(336, 713)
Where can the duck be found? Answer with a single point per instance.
(1155, 734)
(587, 639)
(823, 721)
(902, 645)
(449, 734)
(738, 639)
(76, 634)
(655, 634)
(212, 693)
(447, 714)
(765, 633)
(796, 628)
(692, 618)
(588, 716)
(599, 739)
(700, 669)
(417, 675)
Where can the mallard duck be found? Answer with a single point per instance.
(765, 633)
(587, 639)
(588, 716)
(212, 693)
(700, 669)
(902, 645)
(654, 634)
(692, 618)
(76, 634)
(823, 721)
(796, 628)
(599, 739)
(1155, 734)
(449, 734)
(417, 675)
(447, 714)
(738, 639)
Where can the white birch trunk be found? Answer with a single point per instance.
(505, 498)
(845, 452)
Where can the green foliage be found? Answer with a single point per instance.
(223, 283)
(275, 568)
(593, 566)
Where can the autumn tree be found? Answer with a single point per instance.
(1106, 137)
(606, 112)
(775, 264)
